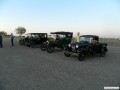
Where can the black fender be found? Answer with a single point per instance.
(82, 50)
(105, 48)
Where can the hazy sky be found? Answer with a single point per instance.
(100, 17)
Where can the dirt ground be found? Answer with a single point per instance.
(23, 68)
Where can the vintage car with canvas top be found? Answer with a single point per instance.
(61, 40)
(88, 45)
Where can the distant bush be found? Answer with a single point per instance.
(3, 33)
(20, 30)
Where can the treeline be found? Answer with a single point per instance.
(20, 30)
(3, 33)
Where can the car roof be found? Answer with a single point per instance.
(37, 33)
(62, 32)
(90, 36)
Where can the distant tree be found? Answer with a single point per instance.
(3, 33)
(20, 30)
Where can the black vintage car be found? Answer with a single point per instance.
(33, 39)
(88, 45)
(24, 39)
(61, 40)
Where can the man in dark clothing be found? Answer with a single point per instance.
(1, 42)
(12, 39)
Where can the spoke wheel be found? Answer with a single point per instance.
(50, 49)
(43, 47)
(20, 42)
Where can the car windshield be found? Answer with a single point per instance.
(87, 39)
(56, 35)
(43, 35)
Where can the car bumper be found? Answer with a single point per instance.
(71, 50)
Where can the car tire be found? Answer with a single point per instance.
(81, 57)
(67, 54)
(50, 49)
(33, 45)
(102, 52)
(43, 47)
(28, 44)
(20, 42)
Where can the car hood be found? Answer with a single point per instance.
(81, 43)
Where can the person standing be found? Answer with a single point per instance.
(1, 41)
(78, 37)
(12, 39)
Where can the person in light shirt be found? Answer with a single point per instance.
(78, 37)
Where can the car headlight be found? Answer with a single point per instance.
(69, 45)
(77, 46)
(48, 42)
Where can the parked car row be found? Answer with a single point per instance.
(88, 45)
(33, 39)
